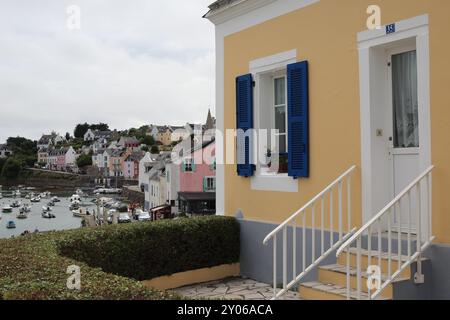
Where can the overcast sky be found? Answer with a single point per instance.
(133, 62)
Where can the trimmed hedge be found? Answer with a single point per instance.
(31, 268)
(143, 251)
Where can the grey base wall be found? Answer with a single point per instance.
(257, 260)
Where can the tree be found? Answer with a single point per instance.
(80, 130)
(11, 168)
(148, 140)
(20, 145)
(2, 163)
(154, 149)
(84, 160)
(67, 136)
(99, 126)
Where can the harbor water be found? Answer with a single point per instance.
(63, 220)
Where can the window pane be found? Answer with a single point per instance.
(280, 119)
(405, 101)
(282, 144)
(280, 91)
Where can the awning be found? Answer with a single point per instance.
(197, 196)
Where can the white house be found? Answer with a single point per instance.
(70, 157)
(89, 135)
(4, 151)
(173, 184)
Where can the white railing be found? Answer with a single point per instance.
(327, 246)
(396, 217)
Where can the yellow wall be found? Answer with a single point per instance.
(325, 35)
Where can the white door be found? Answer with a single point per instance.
(403, 125)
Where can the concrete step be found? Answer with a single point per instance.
(337, 274)
(328, 291)
(342, 260)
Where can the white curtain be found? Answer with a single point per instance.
(405, 102)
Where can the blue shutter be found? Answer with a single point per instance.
(244, 121)
(298, 119)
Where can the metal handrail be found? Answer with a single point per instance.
(307, 205)
(383, 211)
(391, 210)
(324, 250)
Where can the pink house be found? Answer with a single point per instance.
(198, 180)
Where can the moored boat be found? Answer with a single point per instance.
(22, 215)
(46, 209)
(11, 225)
(16, 204)
(48, 215)
(36, 199)
(7, 209)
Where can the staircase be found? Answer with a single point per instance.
(332, 279)
(375, 262)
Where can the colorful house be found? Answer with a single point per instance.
(197, 180)
(131, 165)
(359, 118)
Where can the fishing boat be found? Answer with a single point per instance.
(11, 225)
(74, 206)
(48, 215)
(55, 199)
(22, 215)
(16, 204)
(81, 212)
(75, 198)
(46, 209)
(51, 204)
(36, 199)
(25, 209)
(7, 209)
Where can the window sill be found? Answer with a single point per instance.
(274, 182)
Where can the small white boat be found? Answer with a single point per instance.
(82, 212)
(79, 192)
(48, 215)
(22, 215)
(7, 209)
(25, 209)
(36, 199)
(51, 204)
(16, 204)
(55, 199)
(75, 198)
(46, 209)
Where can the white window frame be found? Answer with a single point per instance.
(213, 179)
(275, 65)
(188, 161)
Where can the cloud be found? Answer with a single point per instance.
(132, 63)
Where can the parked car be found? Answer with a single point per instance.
(124, 218)
(144, 216)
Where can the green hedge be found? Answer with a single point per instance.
(31, 268)
(143, 251)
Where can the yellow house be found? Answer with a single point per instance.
(352, 182)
